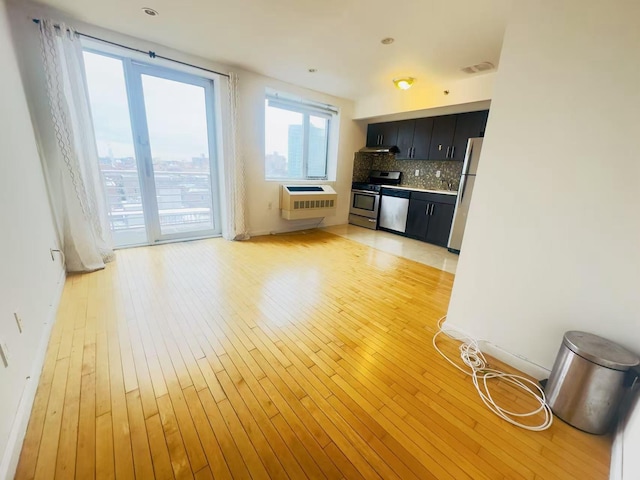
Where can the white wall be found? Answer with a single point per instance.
(630, 445)
(423, 96)
(553, 238)
(29, 279)
(252, 86)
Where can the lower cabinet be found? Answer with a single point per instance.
(430, 216)
(440, 222)
(418, 219)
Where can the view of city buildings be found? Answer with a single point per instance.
(180, 186)
(317, 153)
(277, 165)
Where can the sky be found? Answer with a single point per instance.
(176, 113)
(276, 132)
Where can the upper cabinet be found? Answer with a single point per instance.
(468, 125)
(379, 134)
(431, 138)
(414, 137)
(406, 130)
(444, 128)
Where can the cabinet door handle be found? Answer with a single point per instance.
(453, 149)
(378, 140)
(433, 205)
(426, 212)
(447, 155)
(381, 139)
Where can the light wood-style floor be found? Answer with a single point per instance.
(282, 357)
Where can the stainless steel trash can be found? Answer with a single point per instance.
(588, 381)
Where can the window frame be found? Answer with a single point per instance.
(307, 109)
(185, 74)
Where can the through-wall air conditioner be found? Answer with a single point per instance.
(307, 201)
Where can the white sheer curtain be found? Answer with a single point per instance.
(235, 227)
(73, 174)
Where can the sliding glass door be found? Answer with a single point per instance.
(155, 134)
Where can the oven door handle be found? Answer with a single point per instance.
(366, 192)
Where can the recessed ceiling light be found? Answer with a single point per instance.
(403, 83)
(313, 70)
(150, 11)
(387, 41)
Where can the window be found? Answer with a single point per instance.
(296, 138)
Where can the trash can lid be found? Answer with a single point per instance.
(600, 350)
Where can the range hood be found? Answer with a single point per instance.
(380, 149)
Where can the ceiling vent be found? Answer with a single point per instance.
(480, 67)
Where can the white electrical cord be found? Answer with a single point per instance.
(480, 374)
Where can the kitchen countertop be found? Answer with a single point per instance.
(416, 189)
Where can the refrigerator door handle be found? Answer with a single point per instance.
(467, 157)
(463, 186)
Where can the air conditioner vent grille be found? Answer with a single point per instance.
(297, 205)
(299, 201)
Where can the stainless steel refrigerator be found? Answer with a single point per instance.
(465, 192)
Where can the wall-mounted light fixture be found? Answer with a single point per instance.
(403, 83)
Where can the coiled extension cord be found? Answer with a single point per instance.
(473, 358)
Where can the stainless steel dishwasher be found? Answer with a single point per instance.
(394, 207)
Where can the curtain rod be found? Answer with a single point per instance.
(150, 53)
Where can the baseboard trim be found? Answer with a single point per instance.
(517, 361)
(523, 364)
(18, 430)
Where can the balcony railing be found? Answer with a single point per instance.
(184, 200)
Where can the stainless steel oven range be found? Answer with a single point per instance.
(365, 198)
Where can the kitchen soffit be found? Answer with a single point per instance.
(282, 39)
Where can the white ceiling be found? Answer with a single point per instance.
(340, 38)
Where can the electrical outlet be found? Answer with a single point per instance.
(18, 321)
(417, 172)
(270, 206)
(438, 174)
(4, 354)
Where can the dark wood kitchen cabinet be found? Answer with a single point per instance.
(414, 138)
(430, 217)
(406, 130)
(430, 138)
(468, 125)
(444, 128)
(417, 219)
(451, 133)
(379, 134)
(440, 220)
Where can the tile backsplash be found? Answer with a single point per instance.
(450, 171)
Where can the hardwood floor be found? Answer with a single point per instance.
(282, 357)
